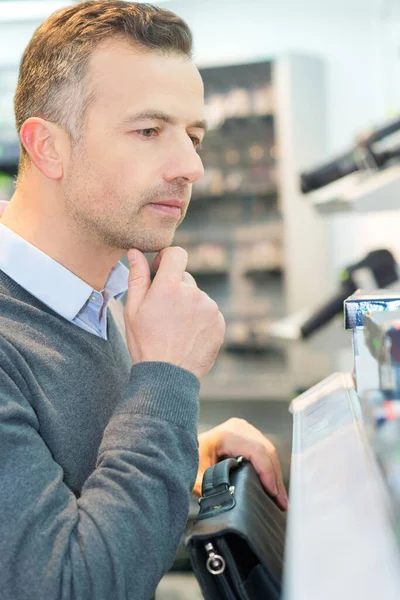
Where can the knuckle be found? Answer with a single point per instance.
(213, 306)
(221, 321)
(189, 277)
(204, 299)
(265, 449)
(262, 454)
(236, 423)
(272, 450)
(209, 303)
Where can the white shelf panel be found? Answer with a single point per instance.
(340, 540)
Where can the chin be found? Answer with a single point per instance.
(155, 244)
(142, 236)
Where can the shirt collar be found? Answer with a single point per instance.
(48, 280)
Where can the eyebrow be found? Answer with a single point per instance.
(155, 115)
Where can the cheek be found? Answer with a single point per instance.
(113, 174)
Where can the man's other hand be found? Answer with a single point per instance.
(237, 437)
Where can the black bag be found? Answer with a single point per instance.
(236, 545)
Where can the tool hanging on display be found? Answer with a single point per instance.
(373, 152)
(377, 270)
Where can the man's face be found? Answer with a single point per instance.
(138, 148)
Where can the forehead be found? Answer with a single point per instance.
(125, 78)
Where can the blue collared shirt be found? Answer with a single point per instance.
(56, 286)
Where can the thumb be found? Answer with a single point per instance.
(139, 280)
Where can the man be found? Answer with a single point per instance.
(98, 437)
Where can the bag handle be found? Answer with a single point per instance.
(217, 477)
(217, 491)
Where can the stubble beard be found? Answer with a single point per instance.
(116, 230)
(125, 226)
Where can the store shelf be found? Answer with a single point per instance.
(269, 197)
(264, 274)
(249, 347)
(360, 192)
(237, 190)
(209, 273)
(340, 540)
(265, 386)
(240, 120)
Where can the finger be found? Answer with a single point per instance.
(198, 484)
(170, 264)
(281, 498)
(257, 436)
(257, 453)
(156, 261)
(188, 279)
(271, 458)
(138, 281)
(221, 320)
(269, 473)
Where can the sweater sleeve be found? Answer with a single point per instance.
(118, 539)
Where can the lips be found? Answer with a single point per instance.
(175, 203)
(166, 209)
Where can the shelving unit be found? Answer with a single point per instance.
(247, 204)
(235, 207)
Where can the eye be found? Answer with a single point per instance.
(196, 141)
(148, 132)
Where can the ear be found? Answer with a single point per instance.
(45, 144)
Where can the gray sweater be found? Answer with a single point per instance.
(98, 459)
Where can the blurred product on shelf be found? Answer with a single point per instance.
(376, 342)
(208, 258)
(259, 179)
(264, 256)
(382, 337)
(211, 183)
(239, 102)
(239, 151)
(237, 334)
(250, 336)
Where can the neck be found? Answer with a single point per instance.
(43, 222)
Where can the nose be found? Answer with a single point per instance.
(184, 163)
